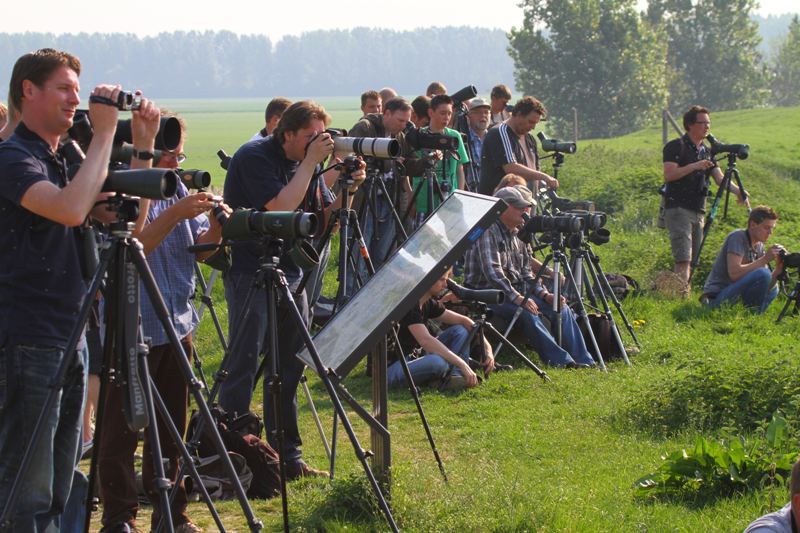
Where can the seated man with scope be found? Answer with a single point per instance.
(500, 260)
(741, 269)
(440, 353)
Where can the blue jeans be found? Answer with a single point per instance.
(431, 367)
(752, 289)
(242, 364)
(26, 373)
(379, 232)
(538, 336)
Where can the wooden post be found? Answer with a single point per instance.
(381, 444)
(574, 124)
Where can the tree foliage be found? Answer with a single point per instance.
(786, 68)
(712, 54)
(598, 56)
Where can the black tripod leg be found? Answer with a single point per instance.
(607, 310)
(160, 482)
(712, 215)
(146, 276)
(323, 374)
(412, 388)
(188, 461)
(794, 298)
(610, 292)
(585, 317)
(541, 373)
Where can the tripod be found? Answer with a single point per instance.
(731, 174)
(792, 298)
(559, 259)
(432, 186)
(597, 285)
(479, 328)
(125, 339)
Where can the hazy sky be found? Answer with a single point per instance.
(275, 19)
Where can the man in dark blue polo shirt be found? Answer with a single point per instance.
(278, 173)
(511, 149)
(41, 282)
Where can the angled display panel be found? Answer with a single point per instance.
(458, 222)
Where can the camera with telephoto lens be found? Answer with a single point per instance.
(742, 151)
(486, 296)
(565, 224)
(593, 225)
(426, 140)
(154, 183)
(467, 93)
(168, 137)
(377, 147)
(790, 260)
(554, 145)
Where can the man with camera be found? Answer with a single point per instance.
(741, 269)
(42, 285)
(687, 167)
(500, 260)
(279, 173)
(378, 224)
(448, 167)
(172, 226)
(440, 353)
(499, 98)
(510, 148)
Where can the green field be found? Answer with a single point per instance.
(526, 456)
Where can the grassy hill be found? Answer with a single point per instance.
(527, 456)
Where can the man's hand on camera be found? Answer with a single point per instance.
(359, 175)
(703, 164)
(320, 148)
(194, 204)
(551, 181)
(773, 252)
(104, 117)
(144, 124)
(225, 208)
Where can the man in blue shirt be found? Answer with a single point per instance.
(41, 281)
(171, 227)
(278, 173)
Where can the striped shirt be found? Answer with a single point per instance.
(173, 269)
(502, 146)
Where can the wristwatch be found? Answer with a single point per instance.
(143, 155)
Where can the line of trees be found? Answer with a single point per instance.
(320, 63)
(619, 67)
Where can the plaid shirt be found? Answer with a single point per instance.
(173, 269)
(499, 260)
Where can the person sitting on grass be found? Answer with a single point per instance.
(440, 353)
(741, 269)
(787, 519)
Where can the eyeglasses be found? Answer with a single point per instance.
(179, 157)
(704, 123)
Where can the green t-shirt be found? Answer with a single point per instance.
(450, 176)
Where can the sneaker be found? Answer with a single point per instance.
(301, 469)
(454, 382)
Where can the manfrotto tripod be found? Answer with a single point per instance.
(123, 259)
(731, 174)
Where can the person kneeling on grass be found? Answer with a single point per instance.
(447, 350)
(741, 271)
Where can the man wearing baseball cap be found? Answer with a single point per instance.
(500, 260)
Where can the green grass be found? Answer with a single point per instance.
(522, 455)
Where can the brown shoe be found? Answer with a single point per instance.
(301, 469)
